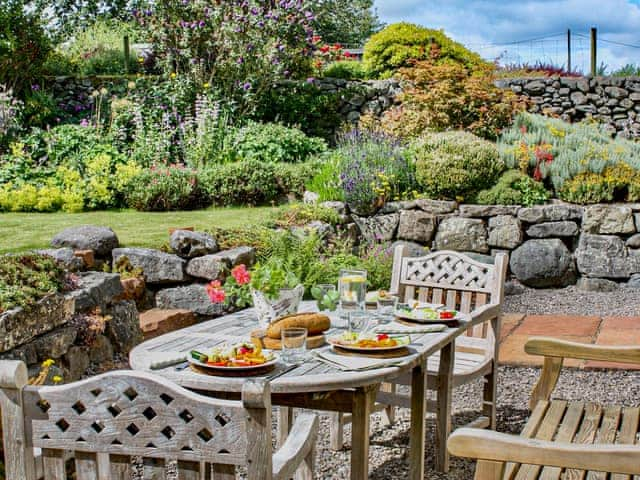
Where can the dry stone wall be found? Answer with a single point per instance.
(614, 101)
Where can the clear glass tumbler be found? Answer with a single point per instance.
(359, 321)
(386, 308)
(294, 342)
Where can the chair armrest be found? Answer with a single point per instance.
(552, 347)
(486, 312)
(298, 445)
(500, 447)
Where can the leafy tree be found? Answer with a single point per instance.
(348, 22)
(23, 45)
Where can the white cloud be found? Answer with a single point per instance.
(480, 23)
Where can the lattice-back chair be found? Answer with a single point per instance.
(99, 424)
(463, 284)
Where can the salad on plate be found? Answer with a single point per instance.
(369, 341)
(425, 312)
(240, 355)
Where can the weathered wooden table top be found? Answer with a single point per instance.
(311, 376)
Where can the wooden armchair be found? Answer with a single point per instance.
(569, 440)
(99, 424)
(463, 284)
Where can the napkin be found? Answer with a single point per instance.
(354, 363)
(399, 329)
(162, 360)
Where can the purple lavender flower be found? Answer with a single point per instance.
(246, 87)
(35, 87)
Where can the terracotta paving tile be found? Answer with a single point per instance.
(558, 325)
(509, 322)
(512, 350)
(621, 323)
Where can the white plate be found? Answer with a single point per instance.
(198, 363)
(407, 316)
(335, 341)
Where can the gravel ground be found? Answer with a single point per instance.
(570, 300)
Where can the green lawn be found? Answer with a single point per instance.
(24, 231)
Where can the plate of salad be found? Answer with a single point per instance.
(238, 357)
(369, 341)
(425, 313)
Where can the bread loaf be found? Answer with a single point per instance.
(315, 323)
(258, 338)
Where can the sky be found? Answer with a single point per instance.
(530, 30)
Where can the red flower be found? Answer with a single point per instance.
(347, 55)
(324, 48)
(215, 292)
(337, 46)
(241, 274)
(316, 38)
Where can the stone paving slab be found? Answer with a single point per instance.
(518, 328)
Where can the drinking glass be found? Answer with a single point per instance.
(359, 321)
(293, 344)
(352, 286)
(386, 308)
(324, 289)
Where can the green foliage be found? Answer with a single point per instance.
(514, 188)
(343, 21)
(163, 188)
(628, 70)
(400, 43)
(326, 181)
(347, 70)
(271, 142)
(24, 45)
(301, 104)
(291, 178)
(454, 164)
(25, 279)
(580, 161)
(299, 214)
(40, 108)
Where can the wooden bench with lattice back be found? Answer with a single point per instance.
(98, 425)
(461, 283)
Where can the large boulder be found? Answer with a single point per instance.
(157, 266)
(550, 213)
(416, 226)
(588, 284)
(482, 211)
(96, 289)
(209, 267)
(606, 256)
(414, 249)
(64, 256)
(189, 244)
(124, 327)
(543, 263)
(102, 240)
(462, 234)
(236, 256)
(20, 325)
(191, 297)
(505, 231)
(633, 241)
(553, 229)
(380, 228)
(608, 219)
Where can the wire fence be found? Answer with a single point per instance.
(552, 49)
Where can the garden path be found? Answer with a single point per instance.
(517, 328)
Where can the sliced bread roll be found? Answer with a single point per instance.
(315, 323)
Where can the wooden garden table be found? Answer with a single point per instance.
(318, 386)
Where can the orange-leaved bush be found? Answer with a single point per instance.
(448, 96)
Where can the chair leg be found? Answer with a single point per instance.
(489, 396)
(285, 421)
(336, 431)
(389, 413)
(305, 471)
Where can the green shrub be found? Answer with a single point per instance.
(454, 164)
(326, 181)
(105, 61)
(300, 214)
(25, 279)
(304, 104)
(271, 142)
(398, 44)
(164, 188)
(248, 182)
(59, 64)
(40, 109)
(514, 188)
(291, 178)
(580, 161)
(346, 69)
